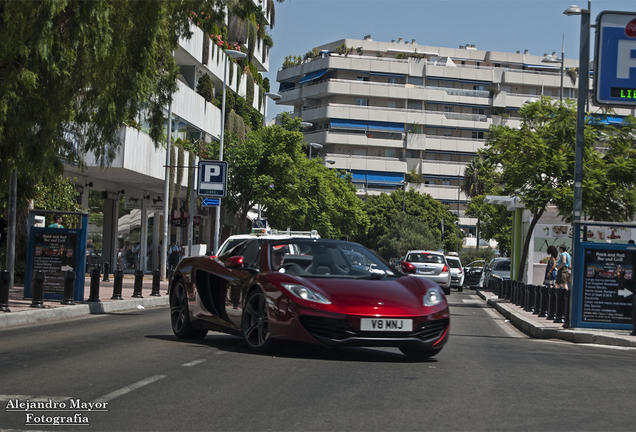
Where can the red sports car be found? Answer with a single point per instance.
(310, 290)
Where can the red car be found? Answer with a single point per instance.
(317, 291)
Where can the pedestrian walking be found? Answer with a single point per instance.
(564, 268)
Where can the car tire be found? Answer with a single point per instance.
(180, 314)
(255, 322)
(446, 290)
(419, 353)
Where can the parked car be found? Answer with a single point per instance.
(473, 272)
(457, 272)
(309, 290)
(429, 264)
(263, 233)
(497, 268)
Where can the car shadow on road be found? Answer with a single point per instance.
(297, 350)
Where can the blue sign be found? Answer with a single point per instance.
(211, 201)
(212, 179)
(615, 64)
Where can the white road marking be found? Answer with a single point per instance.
(128, 389)
(471, 301)
(193, 363)
(504, 324)
(33, 398)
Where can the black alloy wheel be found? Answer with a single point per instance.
(180, 315)
(255, 322)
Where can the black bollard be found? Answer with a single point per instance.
(529, 298)
(566, 311)
(117, 285)
(94, 294)
(5, 281)
(156, 285)
(551, 304)
(106, 268)
(69, 287)
(537, 299)
(139, 280)
(543, 308)
(38, 290)
(633, 333)
(559, 316)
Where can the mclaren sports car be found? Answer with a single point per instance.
(316, 291)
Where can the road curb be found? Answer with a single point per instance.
(537, 330)
(39, 316)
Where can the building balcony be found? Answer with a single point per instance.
(365, 163)
(193, 108)
(353, 138)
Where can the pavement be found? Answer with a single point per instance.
(22, 312)
(541, 328)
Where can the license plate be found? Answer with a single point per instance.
(425, 271)
(386, 324)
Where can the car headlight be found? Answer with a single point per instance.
(433, 296)
(305, 293)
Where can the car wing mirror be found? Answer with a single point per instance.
(234, 262)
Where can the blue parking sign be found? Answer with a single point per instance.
(212, 179)
(615, 64)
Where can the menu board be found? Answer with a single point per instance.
(608, 286)
(54, 254)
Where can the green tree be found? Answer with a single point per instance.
(430, 212)
(406, 232)
(537, 164)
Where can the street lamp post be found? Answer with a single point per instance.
(584, 76)
(553, 59)
(236, 55)
(274, 97)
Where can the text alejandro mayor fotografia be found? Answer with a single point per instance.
(71, 412)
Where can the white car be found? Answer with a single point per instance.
(263, 233)
(457, 272)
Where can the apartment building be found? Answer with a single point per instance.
(381, 110)
(137, 174)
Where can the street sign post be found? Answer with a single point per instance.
(212, 179)
(615, 59)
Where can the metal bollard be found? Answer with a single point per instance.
(94, 294)
(522, 295)
(5, 281)
(551, 304)
(139, 280)
(529, 298)
(543, 308)
(69, 288)
(156, 285)
(537, 299)
(559, 316)
(566, 311)
(106, 268)
(38, 290)
(117, 285)
(633, 333)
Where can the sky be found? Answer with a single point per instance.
(490, 25)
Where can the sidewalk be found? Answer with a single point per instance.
(541, 328)
(22, 313)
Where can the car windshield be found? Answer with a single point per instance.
(502, 265)
(327, 258)
(423, 257)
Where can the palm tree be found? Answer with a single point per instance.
(472, 186)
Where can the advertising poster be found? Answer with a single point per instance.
(608, 286)
(54, 254)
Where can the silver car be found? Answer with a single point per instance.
(457, 272)
(429, 264)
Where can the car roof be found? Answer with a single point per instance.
(425, 252)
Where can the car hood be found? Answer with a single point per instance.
(358, 295)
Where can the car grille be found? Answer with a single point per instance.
(338, 330)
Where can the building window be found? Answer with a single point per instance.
(362, 102)
(360, 151)
(392, 104)
(445, 182)
(479, 87)
(389, 153)
(414, 104)
(479, 111)
(448, 133)
(478, 135)
(392, 80)
(415, 80)
(448, 109)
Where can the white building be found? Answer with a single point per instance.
(386, 109)
(138, 171)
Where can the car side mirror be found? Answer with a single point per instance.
(234, 262)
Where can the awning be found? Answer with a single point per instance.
(389, 75)
(286, 85)
(367, 125)
(617, 121)
(312, 76)
(377, 178)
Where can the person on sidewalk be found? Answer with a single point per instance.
(564, 268)
(550, 268)
(57, 222)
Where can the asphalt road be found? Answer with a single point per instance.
(488, 377)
